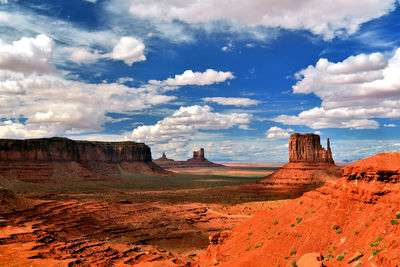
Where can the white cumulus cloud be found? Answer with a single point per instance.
(354, 92)
(277, 133)
(189, 77)
(27, 55)
(322, 17)
(129, 50)
(178, 129)
(232, 101)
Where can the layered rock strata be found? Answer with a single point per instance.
(49, 159)
(310, 165)
(383, 167)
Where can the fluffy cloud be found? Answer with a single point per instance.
(321, 17)
(232, 101)
(178, 129)
(27, 55)
(353, 92)
(277, 133)
(189, 77)
(127, 49)
(53, 105)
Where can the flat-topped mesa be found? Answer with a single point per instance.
(51, 160)
(64, 149)
(307, 148)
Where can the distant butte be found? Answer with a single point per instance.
(198, 160)
(310, 165)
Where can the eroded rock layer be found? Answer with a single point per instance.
(382, 167)
(58, 159)
(310, 166)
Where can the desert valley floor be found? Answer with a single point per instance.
(138, 220)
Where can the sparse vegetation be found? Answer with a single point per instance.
(299, 220)
(294, 263)
(312, 211)
(335, 227)
(292, 225)
(259, 245)
(375, 252)
(339, 231)
(398, 215)
(250, 233)
(378, 239)
(275, 222)
(293, 252)
(339, 257)
(300, 202)
(355, 232)
(394, 222)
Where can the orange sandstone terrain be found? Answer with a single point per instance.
(353, 221)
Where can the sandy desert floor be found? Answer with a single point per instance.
(147, 220)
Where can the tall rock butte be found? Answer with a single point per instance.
(310, 165)
(50, 159)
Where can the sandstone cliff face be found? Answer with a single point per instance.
(310, 166)
(49, 160)
(63, 149)
(307, 148)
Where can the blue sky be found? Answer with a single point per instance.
(235, 77)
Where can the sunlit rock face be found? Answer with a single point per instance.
(310, 165)
(307, 148)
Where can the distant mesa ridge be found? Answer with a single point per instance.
(198, 160)
(310, 165)
(49, 159)
(64, 149)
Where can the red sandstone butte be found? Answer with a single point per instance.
(48, 159)
(346, 222)
(198, 160)
(310, 165)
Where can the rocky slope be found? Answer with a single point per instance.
(310, 166)
(10, 202)
(347, 222)
(50, 159)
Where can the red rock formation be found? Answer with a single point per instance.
(349, 222)
(199, 154)
(64, 149)
(310, 165)
(307, 148)
(10, 202)
(198, 160)
(48, 159)
(382, 167)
